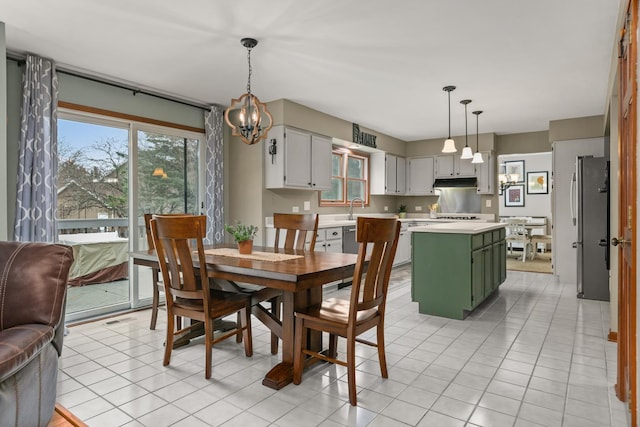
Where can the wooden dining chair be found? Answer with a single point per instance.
(158, 286)
(364, 310)
(186, 285)
(295, 228)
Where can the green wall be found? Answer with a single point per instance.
(578, 128)
(78, 90)
(521, 143)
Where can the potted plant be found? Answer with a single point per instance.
(402, 211)
(243, 235)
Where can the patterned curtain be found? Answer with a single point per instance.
(38, 153)
(214, 199)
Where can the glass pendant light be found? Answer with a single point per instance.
(477, 157)
(449, 144)
(466, 151)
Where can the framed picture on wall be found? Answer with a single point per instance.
(538, 182)
(514, 196)
(515, 170)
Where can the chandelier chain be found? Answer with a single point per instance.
(249, 78)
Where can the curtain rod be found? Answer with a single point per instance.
(135, 90)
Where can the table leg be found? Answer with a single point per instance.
(282, 374)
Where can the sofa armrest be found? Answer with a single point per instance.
(20, 344)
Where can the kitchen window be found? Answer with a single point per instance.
(349, 178)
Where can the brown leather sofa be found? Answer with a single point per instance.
(33, 279)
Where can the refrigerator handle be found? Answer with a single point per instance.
(572, 198)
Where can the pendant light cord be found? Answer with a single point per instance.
(466, 133)
(477, 114)
(477, 137)
(449, 92)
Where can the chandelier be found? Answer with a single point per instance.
(247, 117)
(507, 180)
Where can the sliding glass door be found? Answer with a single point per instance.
(93, 207)
(168, 181)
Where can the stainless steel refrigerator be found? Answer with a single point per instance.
(590, 214)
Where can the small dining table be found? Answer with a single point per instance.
(300, 279)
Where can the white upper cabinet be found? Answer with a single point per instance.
(451, 166)
(387, 174)
(320, 162)
(485, 173)
(298, 159)
(420, 176)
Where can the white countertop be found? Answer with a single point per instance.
(340, 220)
(461, 227)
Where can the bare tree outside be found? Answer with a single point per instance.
(92, 179)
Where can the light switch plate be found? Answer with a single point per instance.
(487, 203)
(307, 205)
(295, 209)
(418, 208)
(386, 208)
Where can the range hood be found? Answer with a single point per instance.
(456, 183)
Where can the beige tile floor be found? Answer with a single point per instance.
(533, 355)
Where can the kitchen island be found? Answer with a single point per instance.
(455, 266)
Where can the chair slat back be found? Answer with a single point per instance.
(172, 235)
(297, 227)
(380, 235)
(147, 226)
(516, 227)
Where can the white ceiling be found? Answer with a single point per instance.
(378, 63)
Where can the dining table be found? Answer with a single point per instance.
(299, 274)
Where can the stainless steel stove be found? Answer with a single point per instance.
(459, 217)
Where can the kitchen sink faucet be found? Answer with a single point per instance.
(355, 199)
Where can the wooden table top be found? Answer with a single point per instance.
(311, 270)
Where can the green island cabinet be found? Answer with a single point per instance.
(456, 266)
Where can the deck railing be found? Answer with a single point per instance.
(97, 225)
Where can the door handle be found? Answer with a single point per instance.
(615, 242)
(603, 242)
(572, 197)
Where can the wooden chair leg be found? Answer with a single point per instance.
(156, 301)
(333, 346)
(238, 323)
(245, 322)
(381, 354)
(351, 369)
(168, 342)
(276, 303)
(208, 343)
(298, 346)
